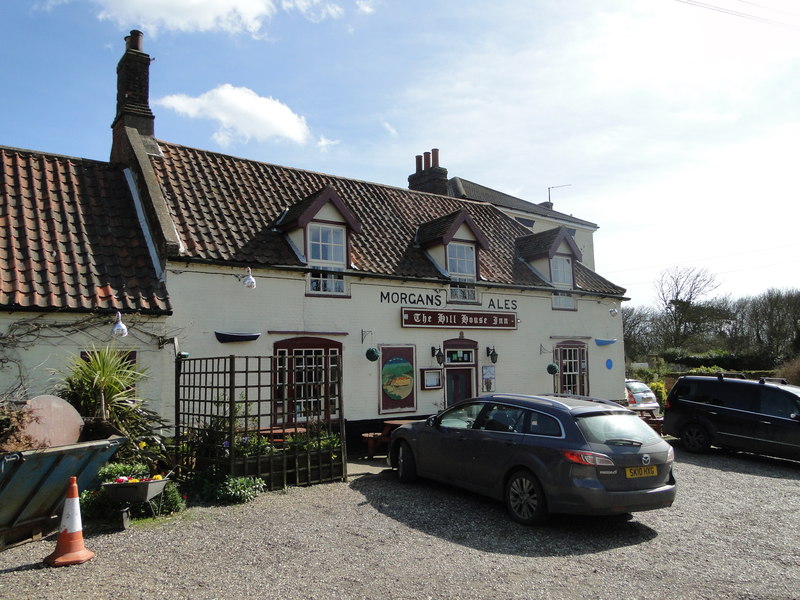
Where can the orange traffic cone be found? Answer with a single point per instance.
(69, 547)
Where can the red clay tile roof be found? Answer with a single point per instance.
(225, 208)
(67, 240)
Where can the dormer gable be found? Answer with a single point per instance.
(546, 244)
(318, 206)
(457, 225)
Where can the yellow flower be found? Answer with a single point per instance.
(133, 480)
(142, 445)
(157, 477)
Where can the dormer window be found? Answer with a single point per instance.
(553, 250)
(461, 268)
(327, 252)
(319, 229)
(561, 277)
(451, 243)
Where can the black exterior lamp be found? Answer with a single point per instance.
(438, 354)
(552, 369)
(372, 354)
(492, 354)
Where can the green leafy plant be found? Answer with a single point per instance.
(238, 490)
(101, 385)
(250, 445)
(211, 485)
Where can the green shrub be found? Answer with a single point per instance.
(213, 486)
(711, 369)
(238, 490)
(660, 390)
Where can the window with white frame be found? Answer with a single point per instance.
(561, 276)
(327, 253)
(461, 268)
(561, 271)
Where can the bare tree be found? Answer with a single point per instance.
(637, 331)
(684, 316)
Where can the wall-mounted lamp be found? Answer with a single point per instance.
(613, 312)
(438, 354)
(552, 369)
(249, 282)
(372, 354)
(118, 329)
(492, 354)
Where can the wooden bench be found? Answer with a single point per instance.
(648, 415)
(374, 440)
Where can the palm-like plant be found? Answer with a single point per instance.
(101, 385)
(110, 378)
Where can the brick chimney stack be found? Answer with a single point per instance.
(133, 90)
(429, 176)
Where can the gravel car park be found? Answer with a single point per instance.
(732, 533)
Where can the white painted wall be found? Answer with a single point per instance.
(213, 299)
(209, 301)
(35, 360)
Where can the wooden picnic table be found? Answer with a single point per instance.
(376, 439)
(278, 433)
(648, 415)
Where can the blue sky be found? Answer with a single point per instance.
(674, 124)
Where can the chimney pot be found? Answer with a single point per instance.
(419, 163)
(134, 40)
(435, 156)
(427, 160)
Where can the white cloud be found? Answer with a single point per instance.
(324, 143)
(233, 16)
(366, 7)
(241, 114)
(314, 10)
(388, 127)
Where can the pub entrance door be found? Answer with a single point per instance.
(459, 384)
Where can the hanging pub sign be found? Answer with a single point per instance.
(458, 319)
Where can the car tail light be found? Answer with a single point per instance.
(631, 399)
(588, 458)
(670, 454)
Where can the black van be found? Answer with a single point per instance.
(761, 416)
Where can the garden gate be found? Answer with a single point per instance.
(279, 418)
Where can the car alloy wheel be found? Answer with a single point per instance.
(695, 438)
(525, 498)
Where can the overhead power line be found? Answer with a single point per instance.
(743, 15)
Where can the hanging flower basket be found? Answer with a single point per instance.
(135, 491)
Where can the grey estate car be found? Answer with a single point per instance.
(541, 454)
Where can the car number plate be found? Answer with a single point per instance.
(631, 472)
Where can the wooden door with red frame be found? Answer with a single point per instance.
(307, 380)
